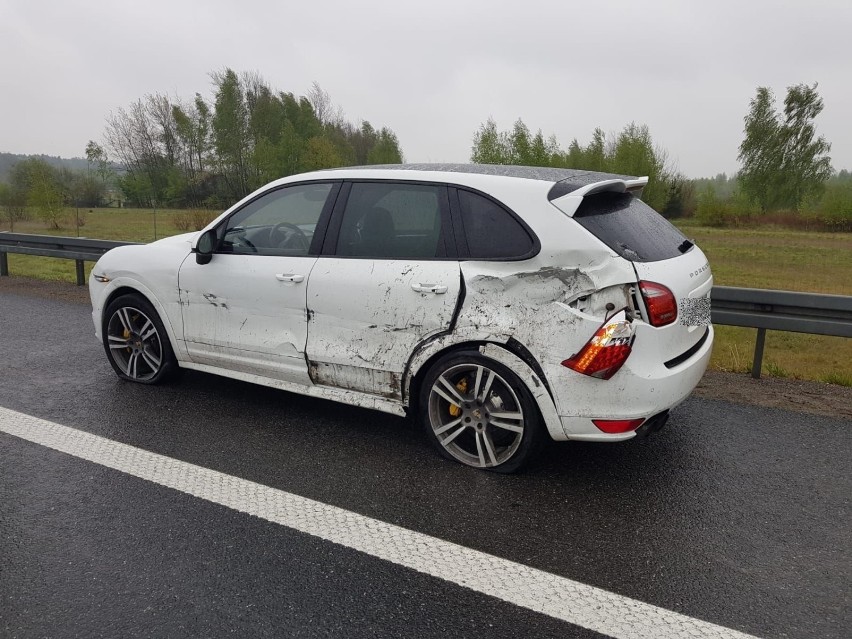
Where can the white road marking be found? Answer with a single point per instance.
(579, 604)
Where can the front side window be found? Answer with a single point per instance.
(281, 222)
(392, 221)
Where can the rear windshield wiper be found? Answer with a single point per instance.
(685, 246)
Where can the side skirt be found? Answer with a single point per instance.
(351, 397)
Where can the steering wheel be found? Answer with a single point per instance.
(295, 233)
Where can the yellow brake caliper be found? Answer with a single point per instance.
(126, 332)
(461, 387)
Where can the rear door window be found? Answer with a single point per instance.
(393, 220)
(630, 227)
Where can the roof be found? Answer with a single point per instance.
(572, 178)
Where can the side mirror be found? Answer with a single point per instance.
(204, 247)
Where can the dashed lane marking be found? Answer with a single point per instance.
(579, 604)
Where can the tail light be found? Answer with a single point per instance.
(660, 302)
(607, 351)
(614, 426)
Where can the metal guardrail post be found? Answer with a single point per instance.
(81, 273)
(757, 363)
(4, 264)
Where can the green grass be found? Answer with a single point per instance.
(777, 258)
(758, 258)
(129, 225)
(840, 379)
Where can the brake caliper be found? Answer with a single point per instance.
(461, 387)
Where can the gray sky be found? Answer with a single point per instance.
(433, 72)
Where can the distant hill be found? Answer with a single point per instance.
(9, 159)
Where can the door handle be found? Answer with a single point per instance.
(289, 277)
(429, 288)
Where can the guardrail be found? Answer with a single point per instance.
(762, 309)
(80, 249)
(814, 313)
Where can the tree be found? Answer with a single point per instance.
(144, 138)
(326, 112)
(806, 164)
(783, 162)
(760, 151)
(40, 183)
(231, 131)
(386, 149)
(319, 154)
(12, 206)
(633, 153)
(489, 145)
(520, 147)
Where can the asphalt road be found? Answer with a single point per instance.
(733, 514)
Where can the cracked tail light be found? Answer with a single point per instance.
(607, 351)
(660, 302)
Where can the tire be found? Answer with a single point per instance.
(478, 412)
(136, 342)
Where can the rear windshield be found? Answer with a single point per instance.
(630, 227)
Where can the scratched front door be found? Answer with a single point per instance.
(247, 313)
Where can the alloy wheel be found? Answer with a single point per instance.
(134, 343)
(475, 415)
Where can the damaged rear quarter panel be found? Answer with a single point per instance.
(537, 301)
(529, 301)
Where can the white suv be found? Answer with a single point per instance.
(499, 304)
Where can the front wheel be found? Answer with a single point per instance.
(478, 412)
(136, 342)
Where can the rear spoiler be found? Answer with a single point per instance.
(569, 202)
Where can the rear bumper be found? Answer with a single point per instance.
(644, 387)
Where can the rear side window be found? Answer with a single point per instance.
(490, 230)
(630, 227)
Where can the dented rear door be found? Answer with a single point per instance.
(368, 316)
(388, 280)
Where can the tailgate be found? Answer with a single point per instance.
(688, 276)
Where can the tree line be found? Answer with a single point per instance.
(629, 152)
(180, 153)
(785, 165)
(172, 152)
(164, 151)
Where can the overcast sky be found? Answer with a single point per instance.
(434, 71)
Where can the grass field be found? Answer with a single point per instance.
(777, 258)
(129, 225)
(757, 258)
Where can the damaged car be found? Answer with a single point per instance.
(502, 306)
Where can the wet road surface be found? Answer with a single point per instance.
(733, 514)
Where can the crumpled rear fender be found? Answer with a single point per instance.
(502, 354)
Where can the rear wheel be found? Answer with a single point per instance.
(136, 342)
(478, 412)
